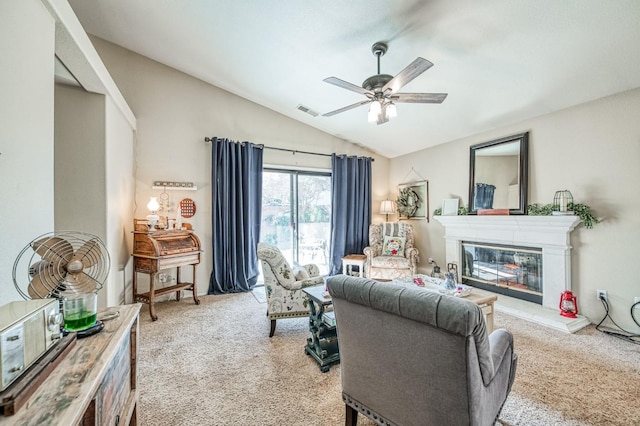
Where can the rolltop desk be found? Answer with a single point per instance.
(156, 250)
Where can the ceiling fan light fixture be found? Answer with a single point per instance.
(374, 112)
(391, 110)
(381, 89)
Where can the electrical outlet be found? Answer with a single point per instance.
(602, 294)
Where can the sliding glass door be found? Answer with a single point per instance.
(296, 215)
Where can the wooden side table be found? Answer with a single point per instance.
(485, 300)
(353, 260)
(323, 343)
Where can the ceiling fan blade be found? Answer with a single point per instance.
(347, 108)
(53, 249)
(419, 98)
(412, 70)
(346, 85)
(88, 254)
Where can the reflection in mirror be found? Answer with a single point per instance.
(498, 175)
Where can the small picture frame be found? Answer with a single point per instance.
(419, 200)
(450, 207)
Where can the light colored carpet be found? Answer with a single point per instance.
(214, 364)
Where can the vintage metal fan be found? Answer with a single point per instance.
(381, 89)
(69, 266)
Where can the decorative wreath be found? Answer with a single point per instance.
(408, 202)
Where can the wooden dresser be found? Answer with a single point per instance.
(95, 384)
(163, 249)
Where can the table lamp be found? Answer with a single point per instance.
(152, 218)
(387, 207)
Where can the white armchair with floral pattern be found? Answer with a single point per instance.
(283, 285)
(390, 253)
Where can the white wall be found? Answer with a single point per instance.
(32, 32)
(27, 33)
(175, 112)
(79, 161)
(119, 194)
(593, 150)
(94, 177)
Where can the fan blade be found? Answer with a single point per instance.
(44, 283)
(88, 254)
(412, 70)
(347, 108)
(53, 249)
(419, 98)
(346, 85)
(80, 283)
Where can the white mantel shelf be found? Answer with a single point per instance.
(530, 231)
(549, 233)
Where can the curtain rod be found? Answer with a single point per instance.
(294, 151)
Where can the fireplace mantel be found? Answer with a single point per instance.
(532, 231)
(549, 233)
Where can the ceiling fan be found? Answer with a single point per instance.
(380, 89)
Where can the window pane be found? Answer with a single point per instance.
(314, 220)
(296, 216)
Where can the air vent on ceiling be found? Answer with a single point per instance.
(307, 110)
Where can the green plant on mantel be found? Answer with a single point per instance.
(581, 210)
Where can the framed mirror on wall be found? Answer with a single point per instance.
(498, 174)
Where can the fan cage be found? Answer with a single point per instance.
(60, 264)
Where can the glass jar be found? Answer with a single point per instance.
(449, 281)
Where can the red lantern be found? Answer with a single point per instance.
(568, 304)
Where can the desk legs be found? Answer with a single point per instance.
(194, 289)
(153, 292)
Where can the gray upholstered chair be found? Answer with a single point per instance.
(409, 356)
(283, 285)
(383, 265)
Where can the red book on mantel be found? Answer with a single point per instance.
(494, 212)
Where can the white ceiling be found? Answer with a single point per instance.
(500, 61)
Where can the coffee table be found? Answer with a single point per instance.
(483, 299)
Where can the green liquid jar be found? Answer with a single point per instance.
(80, 321)
(80, 311)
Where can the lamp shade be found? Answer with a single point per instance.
(153, 205)
(387, 207)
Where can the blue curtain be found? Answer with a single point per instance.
(351, 209)
(236, 183)
(483, 196)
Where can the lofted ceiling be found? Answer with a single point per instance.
(500, 61)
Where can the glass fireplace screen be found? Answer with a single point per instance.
(509, 270)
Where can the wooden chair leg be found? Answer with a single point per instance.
(273, 328)
(351, 416)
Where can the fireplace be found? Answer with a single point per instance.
(514, 271)
(549, 235)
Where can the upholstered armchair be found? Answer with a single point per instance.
(410, 356)
(393, 259)
(283, 285)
